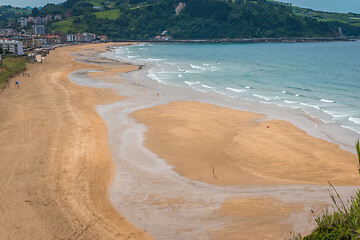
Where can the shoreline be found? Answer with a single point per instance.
(56, 161)
(146, 187)
(304, 119)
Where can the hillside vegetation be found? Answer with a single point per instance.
(349, 22)
(8, 13)
(200, 19)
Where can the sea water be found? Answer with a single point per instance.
(321, 80)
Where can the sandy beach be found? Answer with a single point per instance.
(56, 164)
(165, 169)
(221, 146)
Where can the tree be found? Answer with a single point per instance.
(35, 12)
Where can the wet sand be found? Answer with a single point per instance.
(55, 161)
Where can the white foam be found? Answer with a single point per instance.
(197, 67)
(292, 102)
(223, 93)
(154, 77)
(259, 96)
(206, 86)
(156, 59)
(179, 68)
(179, 75)
(236, 90)
(354, 120)
(336, 114)
(327, 101)
(351, 128)
(191, 83)
(310, 105)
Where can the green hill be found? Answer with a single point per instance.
(8, 13)
(349, 21)
(199, 19)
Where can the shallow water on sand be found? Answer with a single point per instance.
(150, 194)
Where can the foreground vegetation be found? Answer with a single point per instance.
(9, 67)
(344, 223)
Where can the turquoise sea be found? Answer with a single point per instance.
(322, 79)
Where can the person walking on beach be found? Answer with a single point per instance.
(17, 84)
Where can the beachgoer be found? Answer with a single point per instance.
(17, 84)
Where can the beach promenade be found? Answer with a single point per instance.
(57, 168)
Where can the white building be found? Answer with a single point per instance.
(23, 22)
(71, 38)
(58, 17)
(39, 30)
(89, 37)
(12, 46)
(38, 20)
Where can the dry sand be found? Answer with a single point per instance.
(55, 162)
(222, 146)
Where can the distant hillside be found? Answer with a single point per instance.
(9, 13)
(195, 19)
(349, 22)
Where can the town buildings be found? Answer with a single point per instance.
(32, 35)
(31, 20)
(38, 20)
(39, 30)
(12, 46)
(48, 18)
(81, 37)
(23, 22)
(58, 17)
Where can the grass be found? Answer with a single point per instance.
(9, 67)
(109, 14)
(344, 223)
(67, 26)
(357, 147)
(100, 3)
